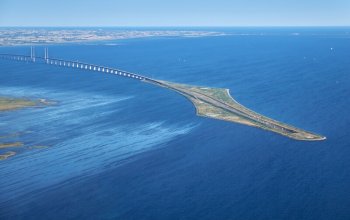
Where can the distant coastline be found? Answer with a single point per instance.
(40, 36)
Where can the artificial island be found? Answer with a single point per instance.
(217, 103)
(209, 102)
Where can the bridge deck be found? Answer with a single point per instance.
(74, 64)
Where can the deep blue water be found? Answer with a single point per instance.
(122, 149)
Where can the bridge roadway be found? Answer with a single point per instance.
(75, 65)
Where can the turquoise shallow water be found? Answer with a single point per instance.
(121, 149)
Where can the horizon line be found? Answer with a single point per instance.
(179, 26)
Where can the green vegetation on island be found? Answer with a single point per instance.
(7, 155)
(7, 104)
(14, 103)
(8, 145)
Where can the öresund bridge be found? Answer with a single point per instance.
(70, 64)
(214, 103)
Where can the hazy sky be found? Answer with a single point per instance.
(175, 13)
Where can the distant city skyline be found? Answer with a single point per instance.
(175, 13)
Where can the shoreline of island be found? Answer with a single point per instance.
(7, 144)
(12, 103)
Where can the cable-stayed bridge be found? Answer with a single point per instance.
(71, 64)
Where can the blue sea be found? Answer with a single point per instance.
(117, 148)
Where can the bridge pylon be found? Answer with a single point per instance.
(32, 53)
(46, 56)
